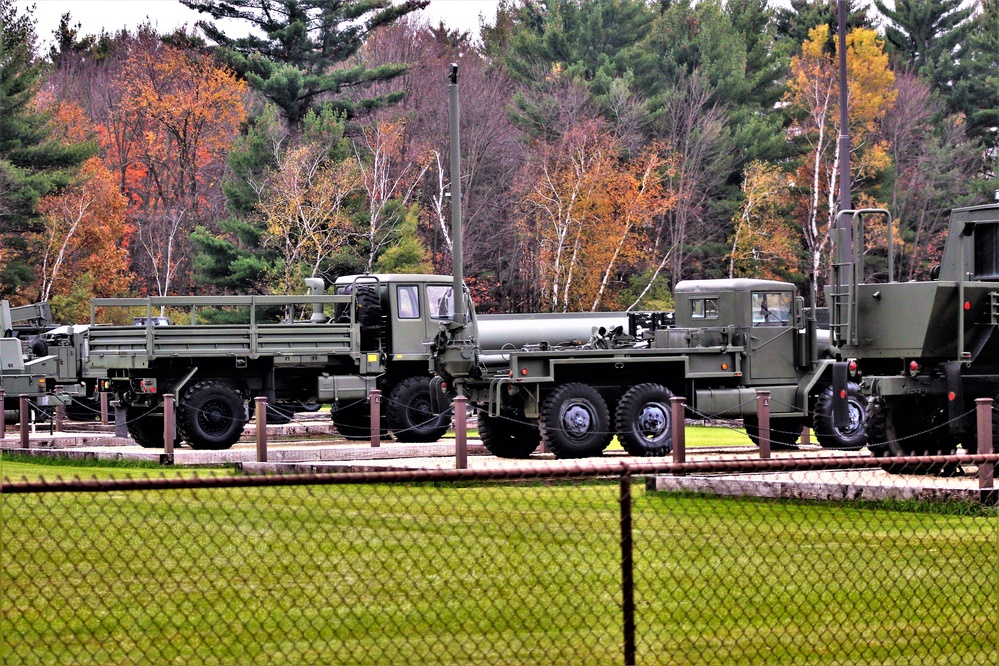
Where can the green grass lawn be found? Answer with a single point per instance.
(487, 573)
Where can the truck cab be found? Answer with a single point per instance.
(763, 316)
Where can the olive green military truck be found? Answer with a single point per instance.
(731, 338)
(373, 331)
(922, 351)
(45, 363)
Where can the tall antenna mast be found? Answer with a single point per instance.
(457, 258)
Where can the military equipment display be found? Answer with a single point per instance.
(373, 331)
(897, 370)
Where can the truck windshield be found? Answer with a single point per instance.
(771, 308)
(441, 301)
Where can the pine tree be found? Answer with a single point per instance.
(292, 64)
(976, 94)
(931, 35)
(32, 163)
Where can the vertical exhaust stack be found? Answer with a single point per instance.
(457, 252)
(841, 294)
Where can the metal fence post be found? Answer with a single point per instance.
(169, 425)
(60, 411)
(24, 408)
(460, 431)
(376, 418)
(678, 412)
(104, 407)
(985, 470)
(261, 416)
(763, 417)
(627, 570)
(806, 435)
(3, 416)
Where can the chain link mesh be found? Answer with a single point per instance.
(484, 567)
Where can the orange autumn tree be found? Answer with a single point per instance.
(813, 100)
(585, 210)
(187, 112)
(83, 250)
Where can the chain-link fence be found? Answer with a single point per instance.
(580, 564)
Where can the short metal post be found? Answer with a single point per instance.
(3, 416)
(169, 424)
(24, 407)
(120, 419)
(104, 407)
(678, 412)
(60, 412)
(763, 416)
(460, 430)
(376, 418)
(806, 435)
(260, 410)
(627, 570)
(985, 470)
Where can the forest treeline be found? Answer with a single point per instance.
(610, 148)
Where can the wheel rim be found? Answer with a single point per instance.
(577, 419)
(653, 422)
(420, 413)
(214, 417)
(856, 420)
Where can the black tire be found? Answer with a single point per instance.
(369, 316)
(508, 437)
(410, 414)
(145, 426)
(784, 433)
(851, 438)
(908, 428)
(575, 422)
(353, 421)
(211, 415)
(644, 421)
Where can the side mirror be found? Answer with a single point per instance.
(798, 313)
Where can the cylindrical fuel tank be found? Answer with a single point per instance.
(516, 330)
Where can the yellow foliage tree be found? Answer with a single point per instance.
(765, 243)
(813, 99)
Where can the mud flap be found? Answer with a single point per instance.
(840, 387)
(437, 401)
(955, 395)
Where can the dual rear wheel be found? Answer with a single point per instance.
(576, 421)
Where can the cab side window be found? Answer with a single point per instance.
(704, 308)
(771, 308)
(409, 301)
(441, 302)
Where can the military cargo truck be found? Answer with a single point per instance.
(373, 331)
(922, 352)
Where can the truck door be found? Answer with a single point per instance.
(408, 328)
(772, 337)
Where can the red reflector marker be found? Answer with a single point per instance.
(853, 366)
(913, 366)
(951, 396)
(523, 371)
(842, 394)
(967, 305)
